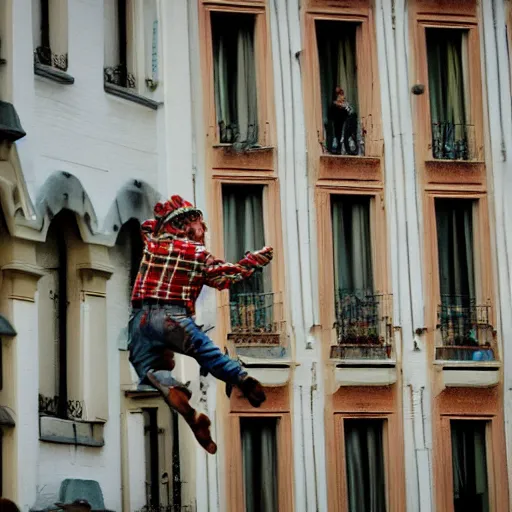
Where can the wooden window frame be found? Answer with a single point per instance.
(392, 465)
(264, 74)
(482, 256)
(446, 470)
(366, 60)
(455, 22)
(272, 230)
(234, 476)
(325, 246)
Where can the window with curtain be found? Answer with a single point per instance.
(364, 458)
(236, 98)
(352, 243)
(357, 305)
(469, 463)
(251, 301)
(50, 33)
(259, 460)
(119, 51)
(454, 221)
(336, 43)
(447, 55)
(458, 308)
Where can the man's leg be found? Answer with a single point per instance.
(151, 356)
(209, 356)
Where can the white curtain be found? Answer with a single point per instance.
(455, 247)
(235, 78)
(352, 244)
(259, 454)
(366, 483)
(470, 489)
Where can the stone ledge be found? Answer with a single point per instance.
(122, 92)
(365, 374)
(466, 376)
(75, 432)
(53, 74)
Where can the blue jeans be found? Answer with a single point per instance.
(155, 329)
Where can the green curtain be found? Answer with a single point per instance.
(235, 78)
(259, 457)
(351, 234)
(337, 58)
(366, 484)
(446, 54)
(454, 218)
(470, 487)
(338, 68)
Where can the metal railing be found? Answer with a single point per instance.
(50, 406)
(255, 319)
(452, 141)
(350, 141)
(466, 332)
(364, 325)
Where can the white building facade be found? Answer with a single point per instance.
(380, 330)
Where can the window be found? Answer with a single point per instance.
(53, 290)
(454, 219)
(364, 454)
(448, 81)
(469, 464)
(236, 98)
(252, 300)
(151, 444)
(465, 325)
(339, 89)
(50, 33)
(119, 50)
(260, 469)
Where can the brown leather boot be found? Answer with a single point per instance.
(252, 390)
(177, 398)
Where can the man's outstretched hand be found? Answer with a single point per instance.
(263, 256)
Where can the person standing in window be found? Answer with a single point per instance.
(175, 266)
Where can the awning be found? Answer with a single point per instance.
(6, 329)
(6, 420)
(10, 125)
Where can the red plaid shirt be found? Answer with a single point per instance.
(174, 269)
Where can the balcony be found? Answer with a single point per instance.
(349, 140)
(453, 141)
(465, 330)
(255, 320)
(466, 343)
(363, 355)
(257, 336)
(364, 326)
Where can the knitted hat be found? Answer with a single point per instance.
(167, 211)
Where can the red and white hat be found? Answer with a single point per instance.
(176, 206)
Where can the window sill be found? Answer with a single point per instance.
(357, 373)
(53, 74)
(346, 167)
(253, 149)
(122, 92)
(464, 374)
(74, 432)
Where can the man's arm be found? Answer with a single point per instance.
(221, 275)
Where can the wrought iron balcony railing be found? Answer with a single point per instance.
(466, 332)
(351, 140)
(453, 141)
(364, 326)
(52, 406)
(256, 319)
